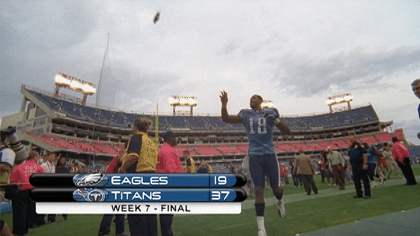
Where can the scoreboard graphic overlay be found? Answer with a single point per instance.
(138, 193)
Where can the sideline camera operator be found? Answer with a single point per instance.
(8, 155)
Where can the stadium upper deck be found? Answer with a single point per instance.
(119, 119)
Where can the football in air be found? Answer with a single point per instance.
(156, 18)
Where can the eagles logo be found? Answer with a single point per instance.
(90, 195)
(88, 180)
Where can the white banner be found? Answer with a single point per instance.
(138, 208)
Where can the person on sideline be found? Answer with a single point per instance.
(306, 170)
(141, 157)
(358, 160)
(24, 215)
(168, 163)
(402, 157)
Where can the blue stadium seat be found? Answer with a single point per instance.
(196, 122)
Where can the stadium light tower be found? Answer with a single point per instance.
(267, 104)
(185, 101)
(337, 99)
(73, 83)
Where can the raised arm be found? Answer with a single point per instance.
(279, 124)
(225, 115)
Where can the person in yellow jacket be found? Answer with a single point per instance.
(204, 167)
(142, 157)
(190, 163)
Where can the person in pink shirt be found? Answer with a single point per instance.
(24, 214)
(168, 162)
(402, 157)
(284, 172)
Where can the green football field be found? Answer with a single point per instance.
(304, 213)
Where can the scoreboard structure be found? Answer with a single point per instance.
(138, 193)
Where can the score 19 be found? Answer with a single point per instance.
(220, 180)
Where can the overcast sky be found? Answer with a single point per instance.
(295, 53)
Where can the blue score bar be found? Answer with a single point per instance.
(139, 180)
(137, 195)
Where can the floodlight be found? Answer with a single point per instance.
(87, 88)
(59, 79)
(187, 101)
(329, 101)
(191, 101)
(75, 84)
(173, 100)
(337, 99)
(348, 98)
(267, 104)
(183, 101)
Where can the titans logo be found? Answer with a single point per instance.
(90, 195)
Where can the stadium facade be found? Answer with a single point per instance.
(94, 135)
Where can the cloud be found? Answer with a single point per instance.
(38, 40)
(306, 75)
(53, 25)
(141, 90)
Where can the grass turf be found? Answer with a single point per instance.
(304, 213)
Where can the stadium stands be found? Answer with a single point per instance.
(281, 147)
(368, 139)
(177, 122)
(196, 121)
(383, 137)
(340, 143)
(206, 150)
(217, 122)
(214, 152)
(100, 132)
(328, 121)
(229, 149)
(121, 119)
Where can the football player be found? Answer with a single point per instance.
(259, 123)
